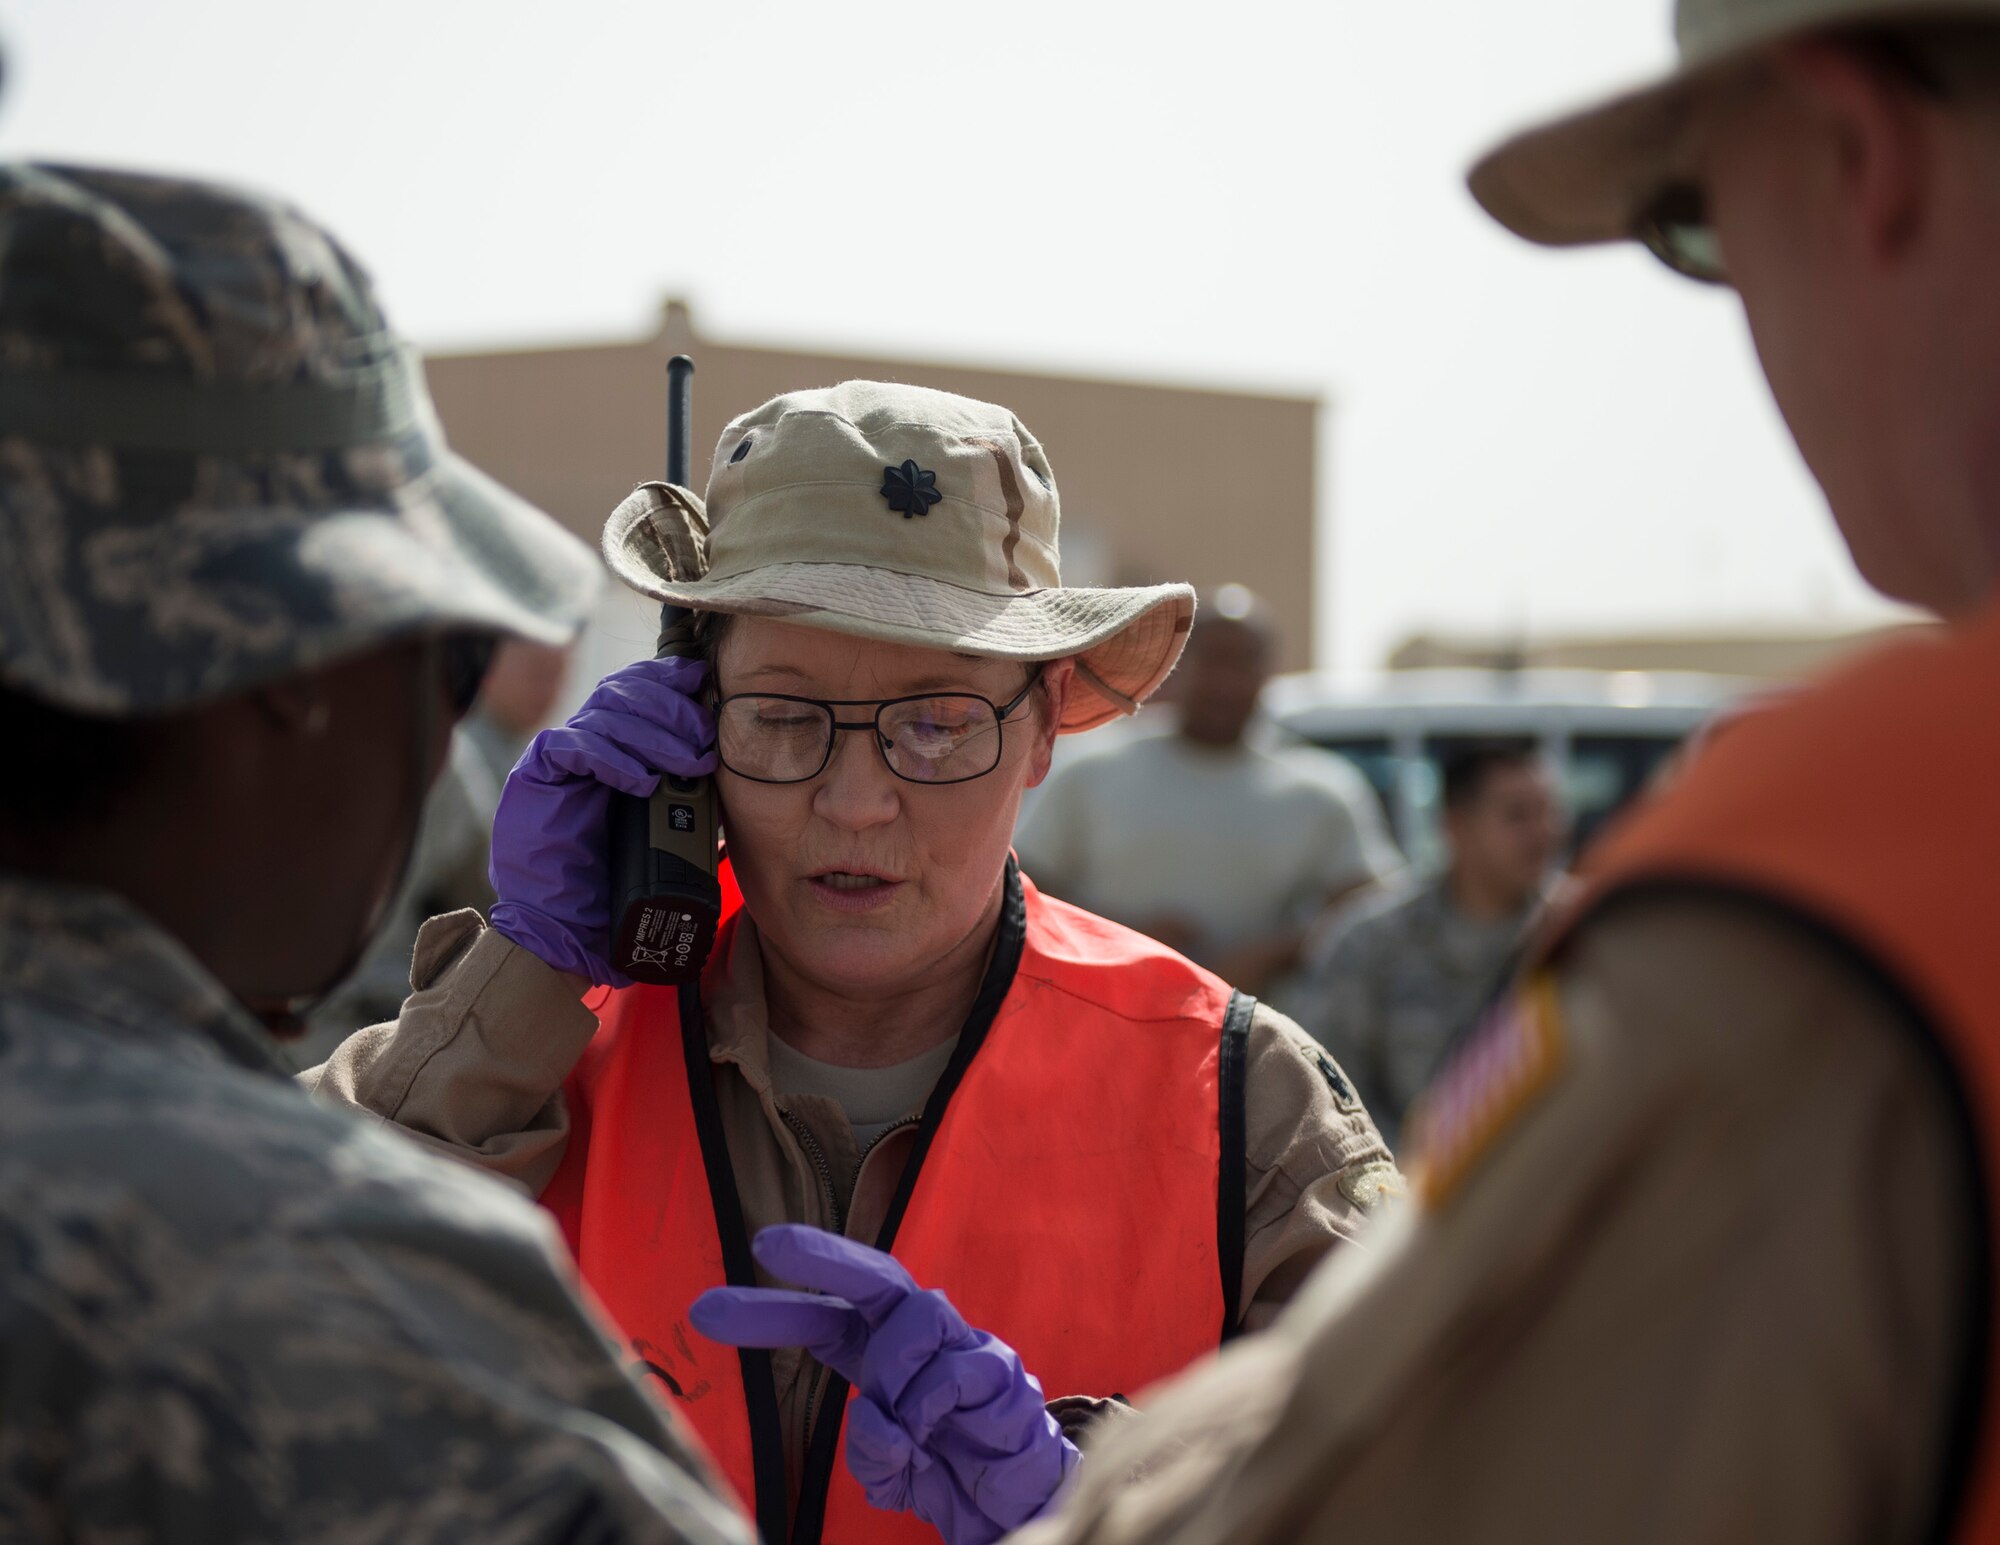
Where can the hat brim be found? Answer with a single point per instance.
(1125, 640)
(222, 593)
(1588, 176)
(503, 565)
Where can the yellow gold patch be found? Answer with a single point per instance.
(1489, 1081)
(1373, 1186)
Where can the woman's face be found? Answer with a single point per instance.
(861, 880)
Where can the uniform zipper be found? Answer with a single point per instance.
(817, 1155)
(824, 1170)
(818, 1386)
(813, 1391)
(876, 1141)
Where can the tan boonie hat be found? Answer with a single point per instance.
(1589, 176)
(899, 513)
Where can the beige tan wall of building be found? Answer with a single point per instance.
(1156, 482)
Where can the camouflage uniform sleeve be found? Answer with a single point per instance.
(1317, 1168)
(416, 1386)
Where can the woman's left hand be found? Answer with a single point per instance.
(945, 1423)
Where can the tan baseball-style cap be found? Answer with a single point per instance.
(899, 513)
(1590, 176)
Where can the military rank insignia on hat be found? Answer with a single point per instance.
(910, 489)
(1493, 1077)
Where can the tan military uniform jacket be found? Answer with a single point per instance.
(474, 1067)
(1708, 1283)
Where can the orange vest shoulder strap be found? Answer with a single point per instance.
(624, 1185)
(760, 1389)
(1232, 1177)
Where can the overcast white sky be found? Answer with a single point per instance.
(1247, 193)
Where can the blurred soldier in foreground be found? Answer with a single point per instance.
(1222, 850)
(244, 591)
(1402, 971)
(1702, 1246)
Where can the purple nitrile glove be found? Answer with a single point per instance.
(945, 1423)
(548, 860)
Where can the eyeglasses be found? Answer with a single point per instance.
(938, 737)
(1676, 230)
(463, 659)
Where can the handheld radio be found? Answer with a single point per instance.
(665, 900)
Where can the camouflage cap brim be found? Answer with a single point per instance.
(142, 584)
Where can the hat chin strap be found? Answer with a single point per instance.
(1104, 689)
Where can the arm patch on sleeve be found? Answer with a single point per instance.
(1490, 1080)
(1371, 1186)
(1345, 1100)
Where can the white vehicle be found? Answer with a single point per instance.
(1605, 732)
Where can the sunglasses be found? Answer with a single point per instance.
(1675, 228)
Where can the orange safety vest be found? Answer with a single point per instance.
(1869, 809)
(1076, 1188)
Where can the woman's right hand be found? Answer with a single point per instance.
(945, 1423)
(549, 843)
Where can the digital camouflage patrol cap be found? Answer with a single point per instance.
(217, 464)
